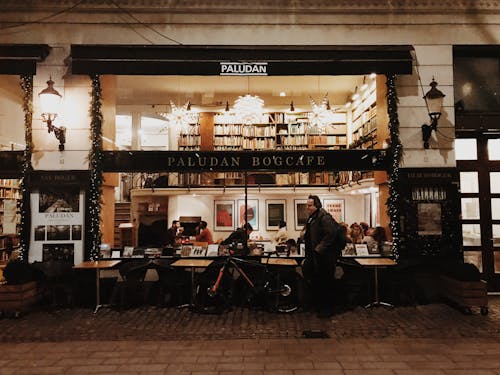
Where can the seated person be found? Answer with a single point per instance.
(240, 236)
(356, 233)
(374, 240)
(282, 235)
(204, 235)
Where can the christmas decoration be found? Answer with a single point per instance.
(396, 148)
(321, 115)
(248, 109)
(26, 83)
(95, 161)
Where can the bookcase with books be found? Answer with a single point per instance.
(364, 123)
(189, 138)
(9, 216)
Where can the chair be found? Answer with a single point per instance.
(58, 282)
(173, 283)
(132, 288)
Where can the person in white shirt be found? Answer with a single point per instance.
(281, 235)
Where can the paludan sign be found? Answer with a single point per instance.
(243, 69)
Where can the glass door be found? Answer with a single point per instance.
(478, 161)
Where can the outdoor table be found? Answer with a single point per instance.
(376, 263)
(192, 264)
(97, 266)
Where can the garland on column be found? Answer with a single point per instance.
(396, 148)
(95, 161)
(26, 82)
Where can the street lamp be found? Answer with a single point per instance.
(50, 100)
(434, 102)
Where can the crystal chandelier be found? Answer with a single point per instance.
(180, 116)
(321, 115)
(249, 109)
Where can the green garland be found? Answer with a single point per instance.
(396, 149)
(95, 161)
(26, 82)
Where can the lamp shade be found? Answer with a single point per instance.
(434, 99)
(50, 99)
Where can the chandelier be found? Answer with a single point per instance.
(249, 109)
(321, 115)
(180, 116)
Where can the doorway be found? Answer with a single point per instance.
(478, 162)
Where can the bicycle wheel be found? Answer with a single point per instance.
(281, 292)
(209, 302)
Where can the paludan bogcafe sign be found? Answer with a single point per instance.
(243, 69)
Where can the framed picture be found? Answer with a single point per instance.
(224, 215)
(252, 212)
(275, 212)
(335, 207)
(301, 213)
(429, 219)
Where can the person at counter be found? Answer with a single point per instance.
(172, 233)
(239, 238)
(204, 234)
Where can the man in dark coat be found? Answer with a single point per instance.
(321, 256)
(240, 236)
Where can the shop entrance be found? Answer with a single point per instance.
(478, 161)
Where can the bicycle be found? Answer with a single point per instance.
(258, 286)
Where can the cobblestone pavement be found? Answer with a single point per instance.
(426, 339)
(152, 323)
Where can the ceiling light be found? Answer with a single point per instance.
(373, 75)
(282, 93)
(249, 109)
(321, 115)
(364, 86)
(292, 107)
(180, 116)
(356, 94)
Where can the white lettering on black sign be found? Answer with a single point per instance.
(243, 69)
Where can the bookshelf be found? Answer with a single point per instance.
(364, 123)
(9, 216)
(189, 138)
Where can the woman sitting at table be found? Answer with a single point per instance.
(204, 235)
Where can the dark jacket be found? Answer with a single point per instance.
(239, 235)
(321, 232)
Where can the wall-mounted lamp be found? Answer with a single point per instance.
(49, 102)
(292, 107)
(434, 102)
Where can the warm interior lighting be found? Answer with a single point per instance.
(249, 109)
(321, 115)
(180, 116)
(50, 100)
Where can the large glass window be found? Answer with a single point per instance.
(466, 149)
(470, 208)
(494, 149)
(477, 83)
(469, 182)
(471, 234)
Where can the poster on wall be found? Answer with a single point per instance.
(57, 218)
(224, 215)
(301, 213)
(252, 213)
(335, 207)
(429, 219)
(275, 212)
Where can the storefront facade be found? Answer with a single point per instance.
(362, 39)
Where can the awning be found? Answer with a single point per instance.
(208, 60)
(21, 58)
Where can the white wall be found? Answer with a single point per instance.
(188, 205)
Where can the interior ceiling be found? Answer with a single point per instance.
(210, 93)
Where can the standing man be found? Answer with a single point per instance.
(321, 256)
